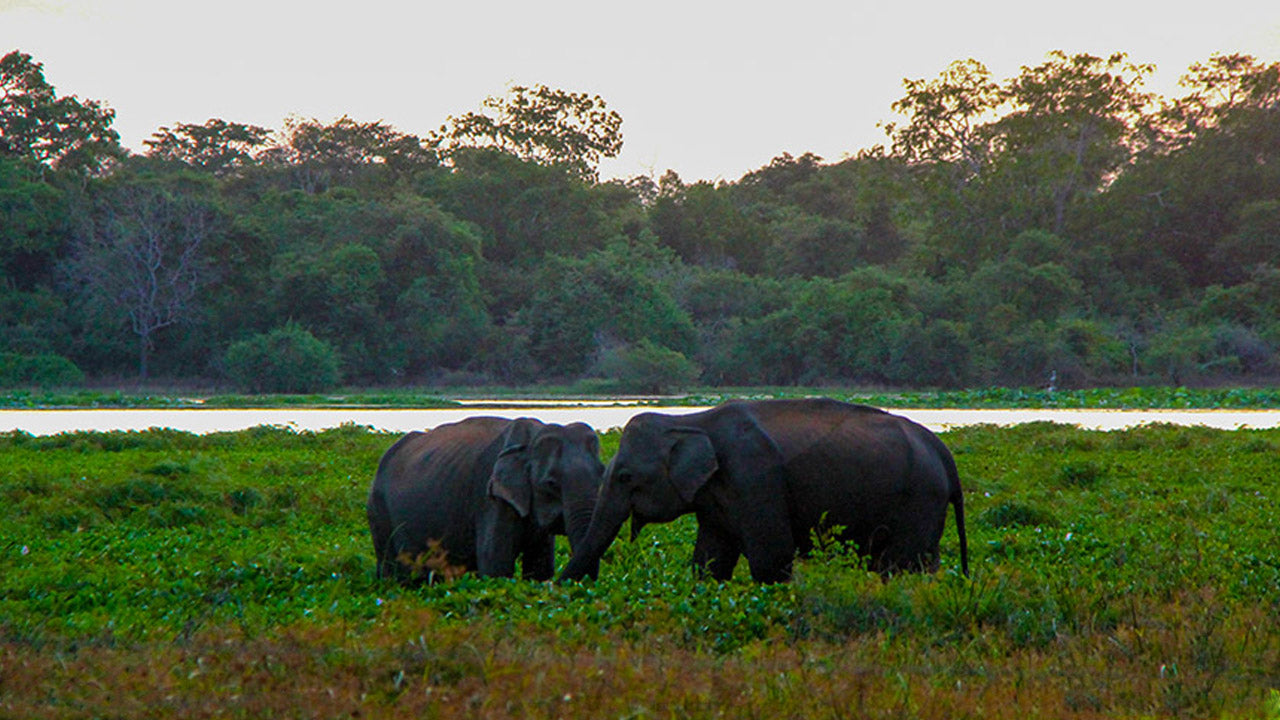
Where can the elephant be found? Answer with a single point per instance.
(483, 491)
(761, 475)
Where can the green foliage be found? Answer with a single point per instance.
(47, 371)
(288, 359)
(162, 567)
(618, 294)
(646, 367)
(50, 131)
(217, 146)
(542, 124)
(1059, 227)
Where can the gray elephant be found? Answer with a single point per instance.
(760, 475)
(484, 491)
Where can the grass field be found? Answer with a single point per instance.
(160, 574)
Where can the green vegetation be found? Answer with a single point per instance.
(286, 360)
(650, 372)
(1122, 574)
(38, 371)
(1062, 227)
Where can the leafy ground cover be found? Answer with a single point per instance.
(996, 397)
(158, 573)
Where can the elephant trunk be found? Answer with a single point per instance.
(606, 522)
(577, 521)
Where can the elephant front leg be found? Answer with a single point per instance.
(769, 546)
(715, 553)
(497, 542)
(539, 559)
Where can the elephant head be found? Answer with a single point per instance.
(551, 474)
(659, 467)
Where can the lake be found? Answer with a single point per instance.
(51, 422)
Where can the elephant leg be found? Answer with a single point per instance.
(497, 538)
(908, 546)
(769, 546)
(539, 560)
(715, 553)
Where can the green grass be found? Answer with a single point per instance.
(158, 573)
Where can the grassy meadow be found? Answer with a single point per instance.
(158, 574)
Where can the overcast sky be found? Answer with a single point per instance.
(709, 89)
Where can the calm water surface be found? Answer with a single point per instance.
(51, 422)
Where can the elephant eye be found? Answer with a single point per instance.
(623, 477)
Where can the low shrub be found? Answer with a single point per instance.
(647, 367)
(288, 359)
(38, 371)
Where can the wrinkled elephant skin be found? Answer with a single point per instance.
(761, 476)
(478, 494)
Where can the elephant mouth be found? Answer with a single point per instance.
(637, 524)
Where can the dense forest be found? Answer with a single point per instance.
(1064, 226)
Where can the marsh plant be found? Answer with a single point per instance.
(231, 575)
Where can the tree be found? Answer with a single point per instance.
(1181, 208)
(526, 209)
(142, 255)
(948, 142)
(540, 124)
(948, 119)
(318, 156)
(1077, 120)
(610, 297)
(704, 225)
(50, 131)
(1222, 92)
(217, 146)
(32, 222)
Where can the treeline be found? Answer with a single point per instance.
(1062, 226)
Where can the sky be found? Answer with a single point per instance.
(708, 88)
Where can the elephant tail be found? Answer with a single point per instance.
(955, 496)
(957, 501)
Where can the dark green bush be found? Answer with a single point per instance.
(38, 371)
(288, 359)
(649, 368)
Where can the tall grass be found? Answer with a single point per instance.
(1124, 574)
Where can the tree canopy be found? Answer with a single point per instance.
(1061, 225)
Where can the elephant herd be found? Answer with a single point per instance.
(760, 476)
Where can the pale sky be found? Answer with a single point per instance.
(710, 89)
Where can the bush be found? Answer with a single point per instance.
(288, 359)
(649, 368)
(38, 371)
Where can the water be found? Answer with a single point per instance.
(51, 422)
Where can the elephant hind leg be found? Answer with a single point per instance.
(903, 552)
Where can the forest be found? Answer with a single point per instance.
(1063, 227)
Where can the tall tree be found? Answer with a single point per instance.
(948, 142)
(47, 130)
(217, 146)
(541, 124)
(948, 119)
(1077, 120)
(142, 255)
(318, 155)
(1225, 90)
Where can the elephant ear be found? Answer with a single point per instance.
(692, 461)
(509, 480)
